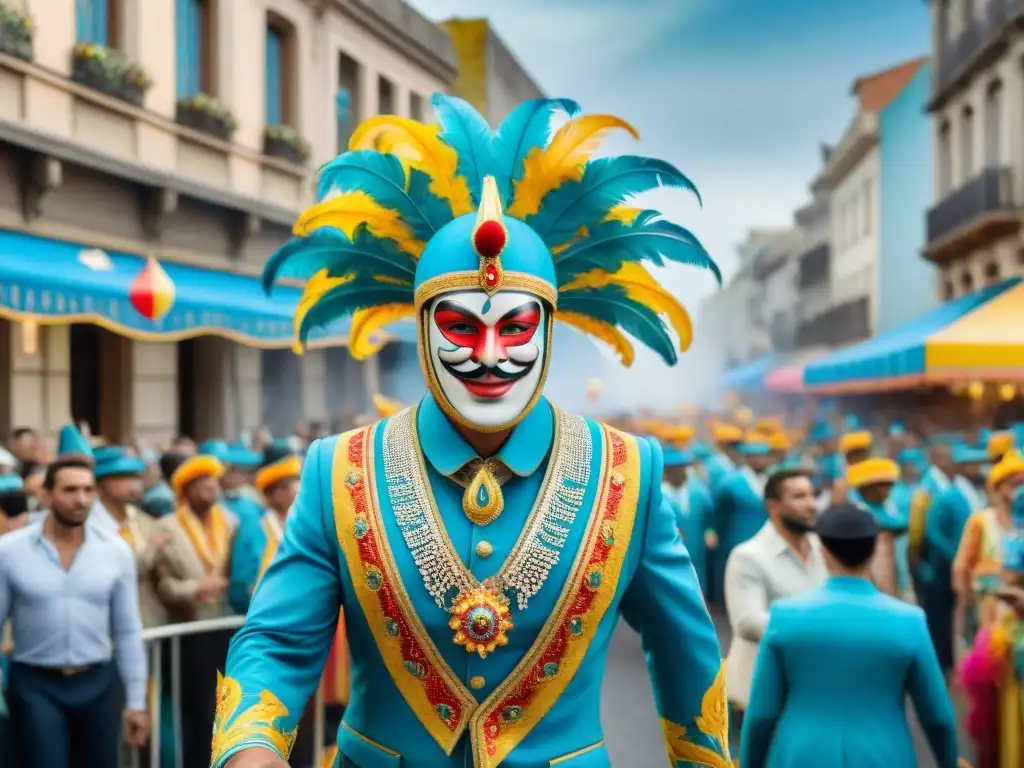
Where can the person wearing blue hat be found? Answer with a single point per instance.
(239, 464)
(257, 540)
(118, 490)
(944, 526)
(692, 504)
(738, 510)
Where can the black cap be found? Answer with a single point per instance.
(845, 522)
(277, 450)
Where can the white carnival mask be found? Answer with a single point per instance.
(488, 354)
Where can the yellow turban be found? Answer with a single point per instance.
(726, 433)
(999, 444)
(855, 441)
(871, 471)
(193, 468)
(1011, 464)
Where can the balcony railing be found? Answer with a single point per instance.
(815, 266)
(986, 200)
(979, 42)
(841, 324)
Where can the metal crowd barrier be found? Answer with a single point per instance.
(156, 639)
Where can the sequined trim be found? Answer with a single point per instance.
(435, 695)
(256, 725)
(537, 682)
(711, 728)
(539, 546)
(470, 280)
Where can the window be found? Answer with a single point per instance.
(347, 107)
(991, 273)
(945, 158)
(194, 44)
(852, 214)
(98, 21)
(967, 281)
(993, 123)
(416, 106)
(868, 206)
(279, 75)
(967, 144)
(948, 290)
(385, 97)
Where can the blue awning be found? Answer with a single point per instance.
(59, 283)
(748, 377)
(896, 358)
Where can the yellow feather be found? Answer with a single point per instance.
(643, 289)
(418, 146)
(580, 234)
(601, 331)
(623, 214)
(350, 209)
(562, 160)
(316, 287)
(366, 322)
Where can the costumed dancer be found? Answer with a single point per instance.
(993, 671)
(738, 507)
(692, 504)
(478, 628)
(728, 439)
(870, 483)
(944, 525)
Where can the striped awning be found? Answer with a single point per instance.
(748, 377)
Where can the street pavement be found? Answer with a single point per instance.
(632, 732)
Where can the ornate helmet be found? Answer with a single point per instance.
(484, 237)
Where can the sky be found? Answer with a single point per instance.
(738, 94)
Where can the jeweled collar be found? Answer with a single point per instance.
(523, 452)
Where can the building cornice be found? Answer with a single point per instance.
(402, 28)
(860, 137)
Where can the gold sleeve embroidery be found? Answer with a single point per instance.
(712, 723)
(252, 726)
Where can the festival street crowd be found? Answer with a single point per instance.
(918, 540)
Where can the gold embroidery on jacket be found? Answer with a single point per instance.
(256, 725)
(712, 723)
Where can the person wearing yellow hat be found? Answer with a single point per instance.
(870, 483)
(999, 444)
(728, 438)
(192, 581)
(943, 529)
(856, 446)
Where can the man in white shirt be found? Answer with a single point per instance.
(783, 559)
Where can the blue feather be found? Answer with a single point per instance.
(528, 127)
(380, 176)
(438, 212)
(612, 305)
(302, 257)
(606, 182)
(343, 300)
(465, 131)
(613, 243)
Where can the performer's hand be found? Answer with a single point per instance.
(711, 539)
(211, 588)
(136, 728)
(256, 757)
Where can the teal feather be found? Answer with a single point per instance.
(465, 131)
(613, 243)
(302, 257)
(605, 183)
(343, 300)
(437, 212)
(382, 177)
(612, 305)
(527, 128)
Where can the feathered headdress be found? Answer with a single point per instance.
(370, 246)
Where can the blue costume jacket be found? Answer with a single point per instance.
(739, 509)
(244, 506)
(255, 543)
(831, 678)
(371, 498)
(718, 468)
(692, 505)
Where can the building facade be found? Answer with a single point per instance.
(814, 269)
(186, 131)
(974, 233)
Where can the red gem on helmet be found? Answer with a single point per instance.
(489, 239)
(490, 275)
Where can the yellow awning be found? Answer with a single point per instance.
(987, 343)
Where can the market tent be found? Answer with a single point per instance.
(897, 358)
(748, 377)
(789, 379)
(987, 344)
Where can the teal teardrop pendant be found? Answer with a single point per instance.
(483, 500)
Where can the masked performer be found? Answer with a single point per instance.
(482, 543)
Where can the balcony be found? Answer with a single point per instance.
(815, 266)
(842, 324)
(984, 40)
(766, 263)
(981, 210)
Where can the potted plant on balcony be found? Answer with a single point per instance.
(207, 114)
(15, 32)
(285, 143)
(109, 71)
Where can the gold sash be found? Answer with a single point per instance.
(210, 543)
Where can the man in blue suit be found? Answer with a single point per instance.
(836, 665)
(692, 504)
(483, 543)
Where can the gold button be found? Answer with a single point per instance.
(484, 549)
(476, 682)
